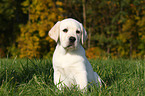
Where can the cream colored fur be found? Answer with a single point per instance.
(70, 64)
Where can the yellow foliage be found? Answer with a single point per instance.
(124, 36)
(34, 35)
(143, 37)
(127, 25)
(41, 33)
(137, 17)
(59, 3)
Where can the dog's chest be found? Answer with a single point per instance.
(67, 60)
(70, 62)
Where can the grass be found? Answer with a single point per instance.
(34, 77)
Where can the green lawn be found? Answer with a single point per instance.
(34, 77)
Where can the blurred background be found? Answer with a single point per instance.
(116, 28)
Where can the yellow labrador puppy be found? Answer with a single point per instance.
(70, 64)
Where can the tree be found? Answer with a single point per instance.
(141, 31)
(42, 15)
(10, 17)
(129, 37)
(103, 25)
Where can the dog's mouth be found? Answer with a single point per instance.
(71, 45)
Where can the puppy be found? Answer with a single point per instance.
(70, 64)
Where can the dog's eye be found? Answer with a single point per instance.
(65, 30)
(78, 32)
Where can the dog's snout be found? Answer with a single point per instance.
(72, 39)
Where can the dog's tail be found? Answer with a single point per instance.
(98, 79)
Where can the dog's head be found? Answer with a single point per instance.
(68, 33)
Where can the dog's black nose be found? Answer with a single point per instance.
(72, 39)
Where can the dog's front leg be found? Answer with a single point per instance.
(81, 80)
(57, 79)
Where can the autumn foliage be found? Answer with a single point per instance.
(33, 41)
(115, 28)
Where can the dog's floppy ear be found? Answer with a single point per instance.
(84, 34)
(54, 32)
